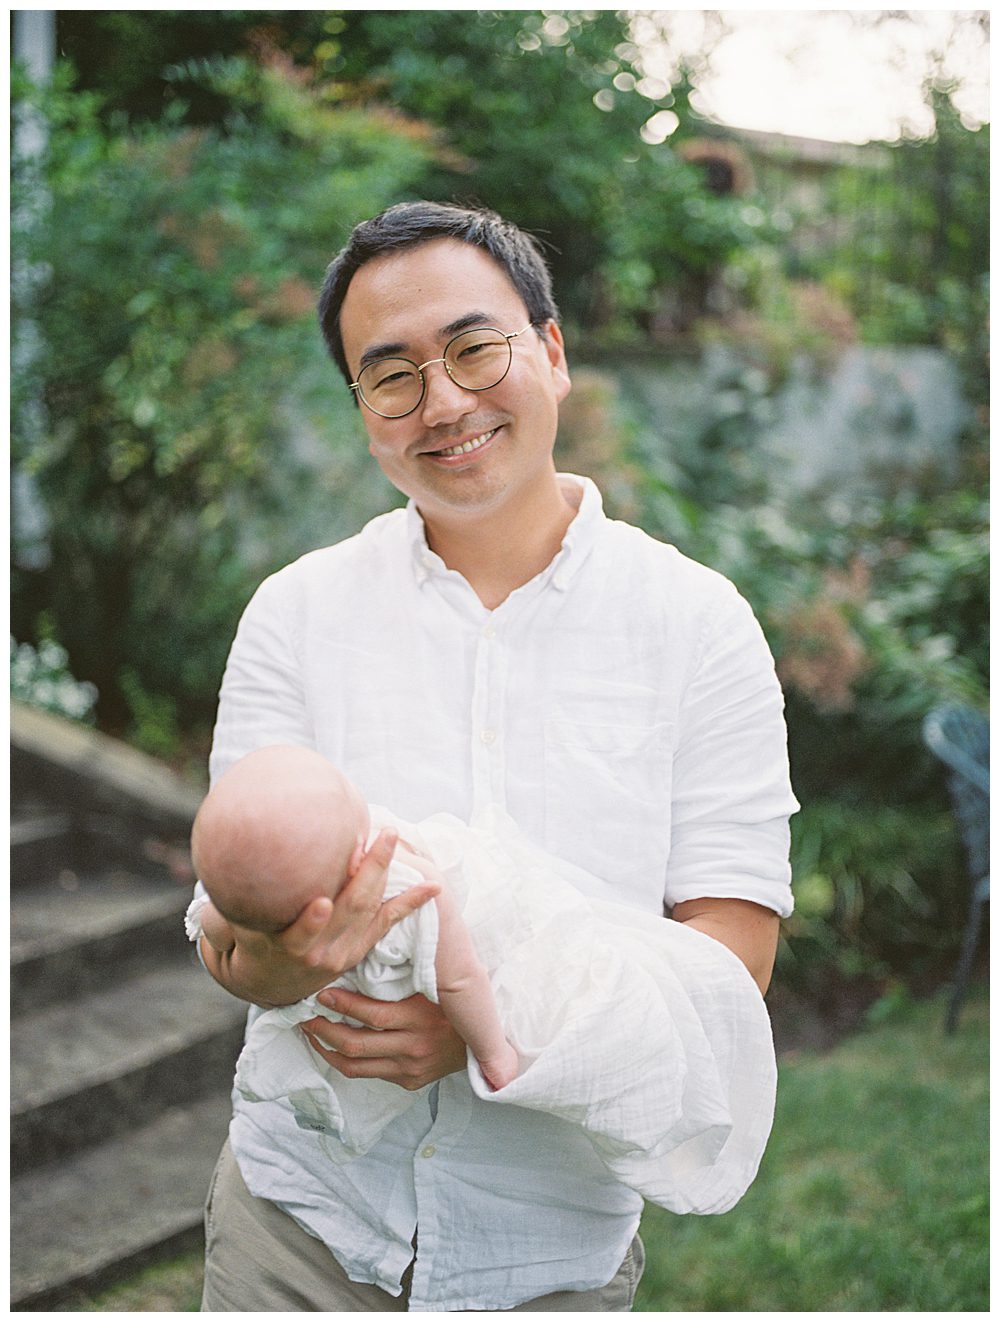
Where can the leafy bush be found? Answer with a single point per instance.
(171, 386)
(879, 892)
(549, 114)
(40, 678)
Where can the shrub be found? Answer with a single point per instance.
(170, 384)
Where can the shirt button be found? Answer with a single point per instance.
(428, 1151)
(426, 561)
(488, 736)
(489, 632)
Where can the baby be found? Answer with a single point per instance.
(284, 826)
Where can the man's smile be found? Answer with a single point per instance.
(461, 449)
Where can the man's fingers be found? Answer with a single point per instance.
(373, 1014)
(407, 1042)
(354, 1043)
(371, 1067)
(302, 934)
(412, 898)
(353, 1063)
(365, 888)
(349, 946)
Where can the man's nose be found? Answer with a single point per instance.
(444, 399)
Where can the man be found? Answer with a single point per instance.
(615, 698)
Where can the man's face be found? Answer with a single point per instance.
(412, 301)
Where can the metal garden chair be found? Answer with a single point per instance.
(960, 737)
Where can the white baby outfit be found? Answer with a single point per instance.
(650, 1036)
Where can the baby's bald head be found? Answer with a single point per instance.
(279, 828)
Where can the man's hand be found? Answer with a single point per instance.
(327, 938)
(409, 1043)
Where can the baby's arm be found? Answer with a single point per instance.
(466, 995)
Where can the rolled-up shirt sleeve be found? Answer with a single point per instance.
(732, 795)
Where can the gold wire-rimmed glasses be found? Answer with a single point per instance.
(474, 359)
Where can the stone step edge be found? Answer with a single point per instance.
(113, 772)
(156, 1052)
(154, 908)
(47, 1135)
(40, 825)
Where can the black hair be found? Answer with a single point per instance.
(411, 223)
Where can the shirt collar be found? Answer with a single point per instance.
(580, 536)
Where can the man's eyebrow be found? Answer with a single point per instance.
(376, 351)
(467, 322)
(397, 349)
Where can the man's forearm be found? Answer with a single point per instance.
(749, 930)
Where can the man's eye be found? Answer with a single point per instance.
(392, 377)
(476, 348)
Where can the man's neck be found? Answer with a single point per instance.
(498, 552)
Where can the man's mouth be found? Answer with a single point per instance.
(466, 447)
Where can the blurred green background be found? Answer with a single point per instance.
(780, 354)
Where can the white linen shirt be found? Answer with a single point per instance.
(623, 708)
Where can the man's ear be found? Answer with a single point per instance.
(556, 351)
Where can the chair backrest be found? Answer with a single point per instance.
(960, 737)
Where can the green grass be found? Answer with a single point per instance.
(169, 1287)
(873, 1195)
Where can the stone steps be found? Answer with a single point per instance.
(122, 1047)
(89, 1221)
(69, 929)
(85, 1069)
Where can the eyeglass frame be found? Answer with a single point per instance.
(392, 417)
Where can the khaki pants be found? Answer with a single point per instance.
(257, 1260)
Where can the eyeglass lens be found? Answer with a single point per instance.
(475, 360)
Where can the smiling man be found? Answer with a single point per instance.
(498, 642)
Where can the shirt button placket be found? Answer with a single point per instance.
(486, 720)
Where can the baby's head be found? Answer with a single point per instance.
(280, 828)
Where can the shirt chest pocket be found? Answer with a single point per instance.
(607, 801)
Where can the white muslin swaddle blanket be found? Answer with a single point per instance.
(652, 1037)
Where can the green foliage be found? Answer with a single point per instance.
(165, 326)
(542, 112)
(545, 112)
(41, 678)
(877, 893)
(913, 256)
(154, 719)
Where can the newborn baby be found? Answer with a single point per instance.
(284, 826)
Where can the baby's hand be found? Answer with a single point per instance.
(501, 1069)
